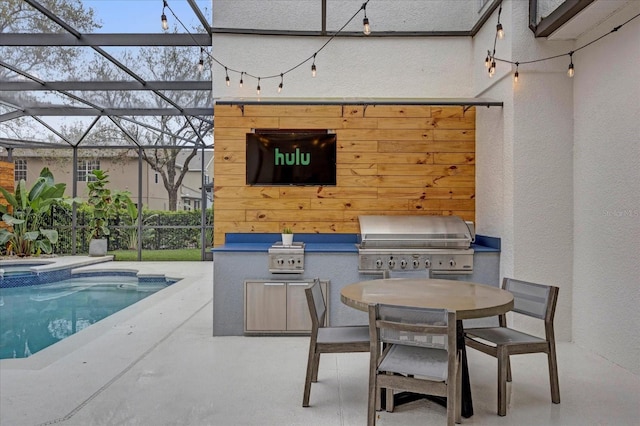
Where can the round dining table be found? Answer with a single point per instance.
(469, 300)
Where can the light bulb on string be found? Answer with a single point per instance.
(487, 60)
(201, 61)
(492, 68)
(571, 70)
(313, 66)
(258, 88)
(227, 79)
(366, 28)
(281, 83)
(241, 82)
(163, 18)
(500, 31)
(516, 75)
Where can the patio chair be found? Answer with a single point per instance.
(404, 359)
(534, 300)
(328, 339)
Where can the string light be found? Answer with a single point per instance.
(163, 18)
(365, 22)
(500, 31)
(258, 88)
(201, 61)
(570, 71)
(259, 78)
(313, 66)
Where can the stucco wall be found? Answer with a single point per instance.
(607, 192)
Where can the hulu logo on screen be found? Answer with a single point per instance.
(295, 158)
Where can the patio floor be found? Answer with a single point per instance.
(156, 363)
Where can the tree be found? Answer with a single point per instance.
(171, 134)
(16, 16)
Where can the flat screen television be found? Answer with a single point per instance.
(291, 157)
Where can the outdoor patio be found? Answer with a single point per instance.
(156, 363)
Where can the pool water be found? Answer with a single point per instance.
(35, 317)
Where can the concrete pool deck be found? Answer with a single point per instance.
(156, 363)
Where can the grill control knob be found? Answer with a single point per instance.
(403, 264)
(427, 263)
(291, 261)
(280, 262)
(416, 264)
(452, 263)
(379, 263)
(392, 264)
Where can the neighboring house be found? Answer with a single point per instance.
(190, 195)
(122, 167)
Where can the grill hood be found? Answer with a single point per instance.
(415, 232)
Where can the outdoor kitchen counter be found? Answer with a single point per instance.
(334, 243)
(319, 243)
(331, 257)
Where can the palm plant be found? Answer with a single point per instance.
(25, 214)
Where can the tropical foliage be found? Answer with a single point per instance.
(105, 204)
(26, 213)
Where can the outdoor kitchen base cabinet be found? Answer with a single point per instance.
(277, 307)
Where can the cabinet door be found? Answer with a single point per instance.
(298, 317)
(265, 306)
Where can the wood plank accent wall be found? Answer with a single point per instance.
(391, 160)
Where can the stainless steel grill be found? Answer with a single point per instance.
(436, 244)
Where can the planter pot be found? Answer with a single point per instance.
(287, 240)
(98, 247)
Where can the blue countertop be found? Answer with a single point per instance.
(321, 243)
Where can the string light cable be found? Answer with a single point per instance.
(278, 75)
(571, 68)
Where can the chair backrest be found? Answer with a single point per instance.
(316, 303)
(534, 300)
(412, 326)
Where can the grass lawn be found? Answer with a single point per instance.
(158, 255)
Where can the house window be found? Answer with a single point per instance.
(186, 204)
(196, 204)
(20, 170)
(85, 167)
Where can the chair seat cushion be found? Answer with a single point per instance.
(429, 363)
(346, 334)
(502, 335)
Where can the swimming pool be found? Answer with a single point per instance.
(33, 317)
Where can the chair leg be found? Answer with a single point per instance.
(458, 413)
(390, 403)
(503, 360)
(373, 400)
(553, 375)
(316, 365)
(309, 376)
(509, 377)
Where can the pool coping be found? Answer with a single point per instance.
(111, 327)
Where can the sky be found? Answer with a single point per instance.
(143, 16)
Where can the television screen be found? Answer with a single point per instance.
(300, 157)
